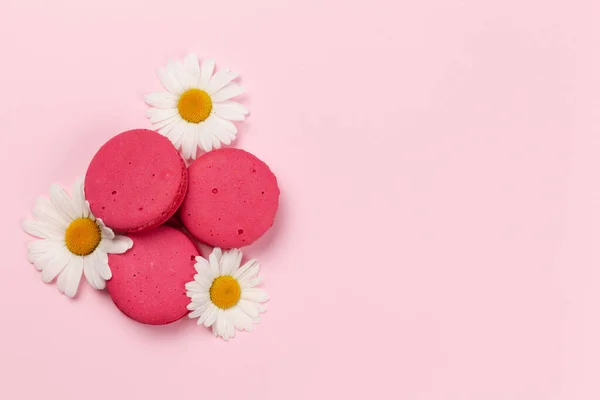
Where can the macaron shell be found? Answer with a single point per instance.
(136, 181)
(148, 282)
(232, 198)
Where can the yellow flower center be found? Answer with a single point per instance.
(225, 292)
(82, 236)
(194, 105)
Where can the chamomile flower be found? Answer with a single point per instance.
(196, 110)
(224, 295)
(71, 241)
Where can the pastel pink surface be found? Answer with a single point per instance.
(148, 282)
(438, 229)
(232, 198)
(136, 181)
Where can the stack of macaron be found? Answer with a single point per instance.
(149, 197)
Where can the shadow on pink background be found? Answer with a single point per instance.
(438, 162)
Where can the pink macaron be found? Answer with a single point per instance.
(148, 281)
(136, 181)
(232, 198)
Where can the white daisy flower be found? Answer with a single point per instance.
(224, 295)
(196, 111)
(72, 241)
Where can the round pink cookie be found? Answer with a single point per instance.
(136, 181)
(232, 198)
(148, 282)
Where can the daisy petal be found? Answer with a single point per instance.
(219, 80)
(100, 264)
(188, 144)
(175, 132)
(249, 308)
(227, 125)
(44, 211)
(40, 229)
(168, 79)
(255, 294)
(56, 265)
(201, 265)
(161, 100)
(92, 276)
(193, 68)
(118, 245)
(214, 264)
(161, 114)
(226, 93)
(240, 320)
(224, 111)
(182, 76)
(106, 232)
(74, 272)
(206, 71)
(62, 202)
(78, 198)
(204, 136)
(247, 271)
(233, 105)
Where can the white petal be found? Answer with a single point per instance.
(40, 261)
(214, 264)
(230, 329)
(44, 211)
(227, 125)
(219, 80)
(230, 261)
(209, 317)
(233, 105)
(226, 93)
(118, 245)
(74, 272)
(193, 68)
(204, 136)
(105, 231)
(45, 246)
(218, 253)
(240, 319)
(193, 287)
(78, 197)
(196, 313)
(182, 76)
(165, 123)
(255, 294)
(175, 133)
(41, 230)
(99, 260)
(188, 144)
(206, 71)
(167, 78)
(248, 271)
(62, 202)
(56, 265)
(250, 283)
(216, 142)
(204, 281)
(161, 114)
(224, 111)
(92, 275)
(219, 325)
(161, 100)
(201, 265)
(249, 308)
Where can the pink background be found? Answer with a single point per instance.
(438, 232)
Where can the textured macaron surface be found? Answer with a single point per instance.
(148, 282)
(136, 181)
(232, 198)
